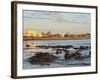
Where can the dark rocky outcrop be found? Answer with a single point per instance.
(67, 55)
(78, 55)
(58, 46)
(42, 58)
(58, 51)
(82, 47)
(27, 45)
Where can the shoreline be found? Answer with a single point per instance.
(25, 39)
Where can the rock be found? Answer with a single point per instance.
(57, 46)
(76, 48)
(67, 55)
(43, 46)
(89, 53)
(58, 51)
(42, 58)
(27, 45)
(78, 55)
(84, 47)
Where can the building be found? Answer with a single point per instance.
(30, 34)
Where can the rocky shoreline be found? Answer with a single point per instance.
(47, 57)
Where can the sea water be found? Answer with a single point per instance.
(28, 52)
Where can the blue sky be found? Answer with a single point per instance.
(56, 22)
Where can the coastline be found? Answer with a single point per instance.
(57, 38)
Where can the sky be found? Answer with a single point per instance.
(56, 22)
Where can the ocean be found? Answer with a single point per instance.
(61, 62)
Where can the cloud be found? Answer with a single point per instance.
(59, 17)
